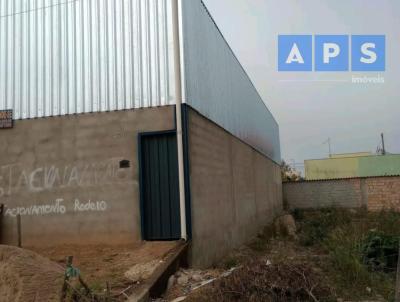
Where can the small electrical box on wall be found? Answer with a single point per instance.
(6, 119)
(124, 164)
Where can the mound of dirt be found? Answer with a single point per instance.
(28, 277)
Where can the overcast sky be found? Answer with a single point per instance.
(309, 112)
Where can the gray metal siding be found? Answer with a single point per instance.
(218, 87)
(64, 57)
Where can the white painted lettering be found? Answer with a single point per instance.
(295, 55)
(366, 50)
(331, 50)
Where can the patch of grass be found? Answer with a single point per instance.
(260, 243)
(230, 262)
(348, 270)
(298, 214)
(268, 232)
(315, 226)
(380, 251)
(97, 287)
(362, 249)
(348, 255)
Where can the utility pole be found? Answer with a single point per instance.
(383, 144)
(329, 146)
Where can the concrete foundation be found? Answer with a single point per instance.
(235, 191)
(63, 176)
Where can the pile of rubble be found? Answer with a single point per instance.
(186, 281)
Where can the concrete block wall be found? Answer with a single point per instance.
(383, 192)
(62, 175)
(374, 193)
(235, 191)
(320, 194)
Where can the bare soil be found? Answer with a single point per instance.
(28, 277)
(121, 266)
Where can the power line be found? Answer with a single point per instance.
(37, 9)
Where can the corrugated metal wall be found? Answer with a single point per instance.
(219, 88)
(63, 57)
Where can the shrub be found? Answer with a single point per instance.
(316, 225)
(380, 251)
(362, 256)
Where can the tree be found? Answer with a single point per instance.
(289, 173)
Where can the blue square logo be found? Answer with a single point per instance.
(368, 52)
(294, 53)
(331, 53)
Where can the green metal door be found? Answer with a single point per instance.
(159, 186)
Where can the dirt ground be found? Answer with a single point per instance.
(28, 277)
(122, 267)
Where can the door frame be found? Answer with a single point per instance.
(142, 135)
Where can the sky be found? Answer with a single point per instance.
(311, 107)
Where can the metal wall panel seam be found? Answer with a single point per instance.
(182, 50)
(166, 55)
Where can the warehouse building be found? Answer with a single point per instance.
(131, 120)
(352, 165)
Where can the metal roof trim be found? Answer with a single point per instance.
(338, 179)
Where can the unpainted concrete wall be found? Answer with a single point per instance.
(319, 194)
(235, 191)
(62, 176)
(374, 193)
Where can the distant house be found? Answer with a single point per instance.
(349, 165)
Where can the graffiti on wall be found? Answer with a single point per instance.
(15, 178)
(58, 207)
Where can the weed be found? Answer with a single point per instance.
(316, 225)
(230, 262)
(380, 251)
(298, 214)
(363, 251)
(349, 252)
(259, 245)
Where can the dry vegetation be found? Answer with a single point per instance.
(259, 281)
(337, 254)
